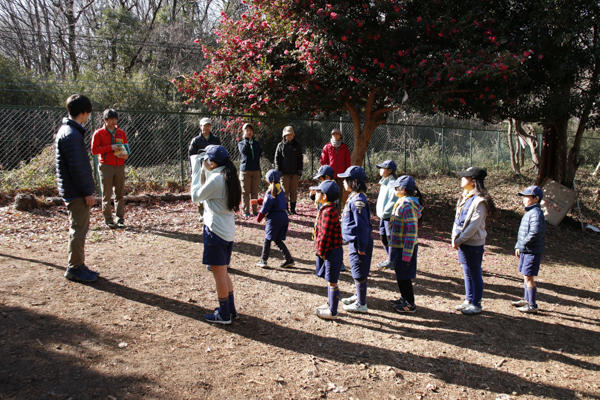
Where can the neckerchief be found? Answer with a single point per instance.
(277, 190)
(466, 195)
(112, 134)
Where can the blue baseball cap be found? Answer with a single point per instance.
(215, 153)
(389, 164)
(273, 176)
(354, 172)
(405, 181)
(324, 170)
(533, 191)
(327, 187)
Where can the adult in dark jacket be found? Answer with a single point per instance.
(289, 163)
(337, 155)
(76, 183)
(250, 152)
(197, 146)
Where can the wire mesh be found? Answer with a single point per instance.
(159, 145)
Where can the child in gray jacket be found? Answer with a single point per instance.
(530, 246)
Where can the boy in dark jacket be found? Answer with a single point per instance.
(530, 246)
(76, 183)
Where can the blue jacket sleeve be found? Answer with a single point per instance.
(363, 222)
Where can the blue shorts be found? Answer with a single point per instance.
(216, 250)
(384, 227)
(360, 265)
(529, 264)
(405, 270)
(329, 269)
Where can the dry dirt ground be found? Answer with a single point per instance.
(138, 332)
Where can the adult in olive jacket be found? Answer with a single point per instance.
(289, 163)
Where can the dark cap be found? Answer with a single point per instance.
(327, 187)
(405, 181)
(273, 176)
(354, 172)
(389, 164)
(215, 153)
(324, 170)
(533, 191)
(475, 173)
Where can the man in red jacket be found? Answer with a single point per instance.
(108, 143)
(336, 154)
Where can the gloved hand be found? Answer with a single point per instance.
(260, 217)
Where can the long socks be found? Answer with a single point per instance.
(406, 290)
(361, 291)
(231, 303)
(266, 249)
(333, 294)
(224, 308)
(531, 295)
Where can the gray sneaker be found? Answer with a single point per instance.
(519, 303)
(528, 308)
(471, 309)
(349, 300)
(384, 264)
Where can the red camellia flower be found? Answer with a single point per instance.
(197, 41)
(419, 19)
(344, 38)
(333, 15)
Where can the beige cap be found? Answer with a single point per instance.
(288, 130)
(247, 125)
(205, 121)
(336, 130)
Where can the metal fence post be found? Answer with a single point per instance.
(95, 158)
(312, 149)
(181, 147)
(471, 147)
(405, 149)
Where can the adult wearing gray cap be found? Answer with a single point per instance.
(289, 162)
(250, 152)
(337, 155)
(197, 146)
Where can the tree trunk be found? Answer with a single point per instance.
(553, 164)
(531, 140)
(514, 158)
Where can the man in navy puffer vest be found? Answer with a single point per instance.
(76, 183)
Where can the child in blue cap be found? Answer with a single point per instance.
(274, 209)
(328, 243)
(357, 231)
(530, 246)
(220, 194)
(404, 229)
(385, 203)
(325, 173)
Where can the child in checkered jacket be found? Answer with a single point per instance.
(328, 243)
(404, 230)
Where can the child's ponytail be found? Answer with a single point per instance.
(234, 189)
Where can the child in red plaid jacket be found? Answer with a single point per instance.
(328, 244)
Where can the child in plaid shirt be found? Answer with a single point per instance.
(404, 229)
(328, 243)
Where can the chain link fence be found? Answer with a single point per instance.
(159, 145)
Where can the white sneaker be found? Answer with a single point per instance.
(462, 306)
(349, 300)
(325, 313)
(262, 263)
(519, 303)
(355, 307)
(323, 307)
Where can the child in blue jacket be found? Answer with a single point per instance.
(530, 246)
(274, 209)
(357, 231)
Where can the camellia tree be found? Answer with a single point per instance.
(360, 56)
